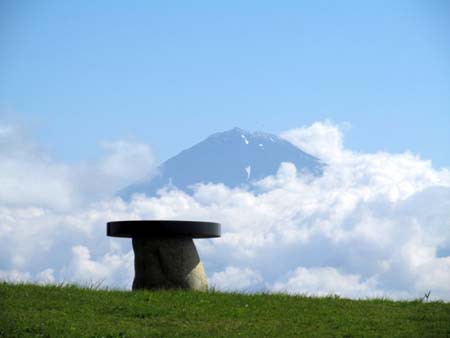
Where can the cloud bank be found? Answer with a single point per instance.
(374, 225)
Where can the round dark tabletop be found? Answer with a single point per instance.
(159, 228)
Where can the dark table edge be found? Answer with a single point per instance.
(163, 229)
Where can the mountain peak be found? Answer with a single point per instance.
(234, 157)
(236, 130)
(245, 134)
(233, 131)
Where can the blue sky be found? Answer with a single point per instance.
(78, 73)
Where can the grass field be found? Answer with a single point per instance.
(69, 311)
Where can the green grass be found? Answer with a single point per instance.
(71, 311)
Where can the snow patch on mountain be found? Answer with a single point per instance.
(248, 170)
(244, 138)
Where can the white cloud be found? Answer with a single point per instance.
(29, 177)
(46, 276)
(233, 278)
(123, 164)
(15, 276)
(111, 269)
(373, 225)
(327, 281)
(321, 139)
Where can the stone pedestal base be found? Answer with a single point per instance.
(167, 263)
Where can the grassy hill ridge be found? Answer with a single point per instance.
(28, 310)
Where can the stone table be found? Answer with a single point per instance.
(164, 252)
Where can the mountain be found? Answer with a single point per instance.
(234, 158)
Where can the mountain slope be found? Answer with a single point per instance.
(233, 157)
